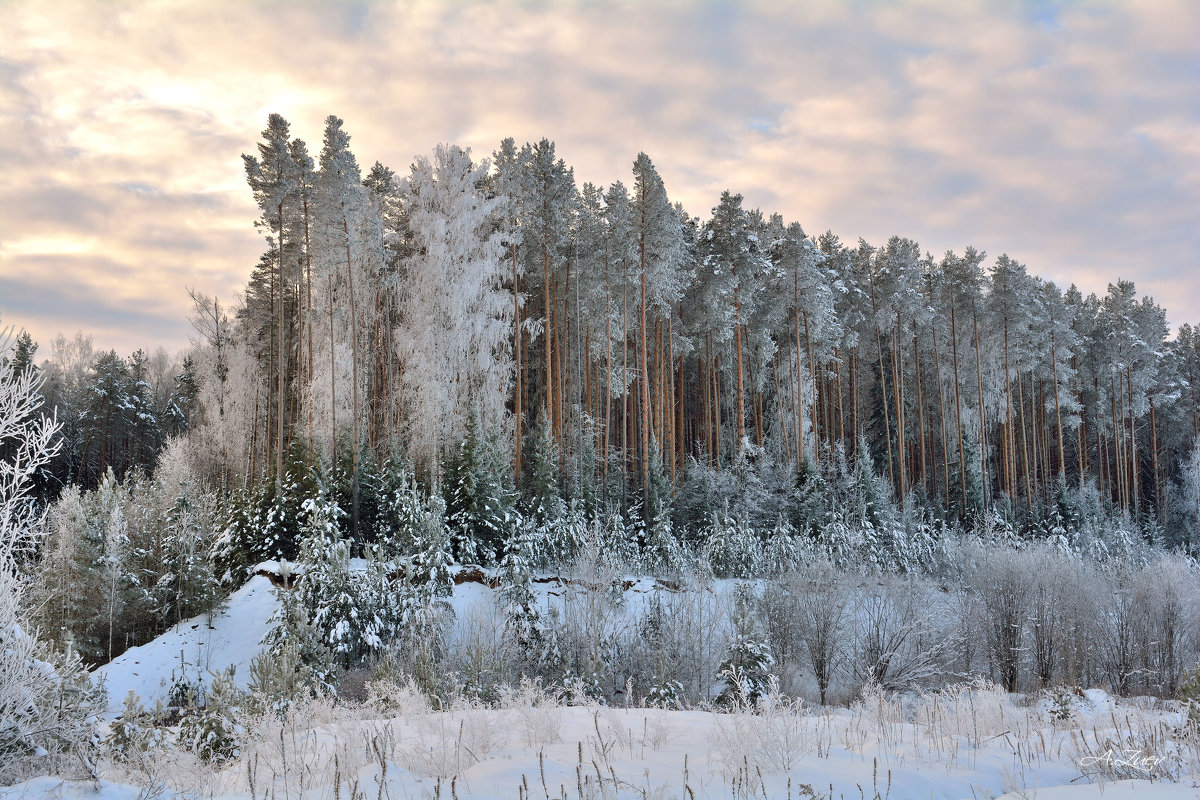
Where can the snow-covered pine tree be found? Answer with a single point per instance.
(658, 238)
(335, 597)
(746, 670)
(524, 626)
(476, 503)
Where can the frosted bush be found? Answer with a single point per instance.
(773, 735)
(540, 717)
(390, 698)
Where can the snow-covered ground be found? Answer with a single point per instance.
(195, 648)
(958, 745)
(964, 742)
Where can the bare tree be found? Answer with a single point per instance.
(1002, 579)
(44, 707)
(899, 636)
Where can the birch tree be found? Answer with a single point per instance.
(453, 339)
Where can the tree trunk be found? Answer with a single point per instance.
(332, 384)
(517, 355)
(282, 394)
(837, 361)
(607, 375)
(898, 394)
(983, 477)
(354, 383)
(645, 426)
(799, 395)
(308, 314)
(812, 380)
(1062, 469)
(547, 335)
(937, 368)
(962, 465)
(920, 410)
(1134, 477)
(1006, 439)
(1024, 445)
(741, 398)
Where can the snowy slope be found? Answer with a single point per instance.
(194, 648)
(199, 646)
(946, 746)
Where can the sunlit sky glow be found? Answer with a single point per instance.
(1065, 134)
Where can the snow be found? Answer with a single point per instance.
(557, 751)
(926, 746)
(195, 648)
(199, 647)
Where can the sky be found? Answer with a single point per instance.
(1066, 134)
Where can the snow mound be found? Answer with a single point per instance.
(195, 648)
(199, 647)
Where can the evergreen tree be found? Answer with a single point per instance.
(745, 671)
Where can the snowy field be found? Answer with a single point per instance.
(967, 741)
(959, 744)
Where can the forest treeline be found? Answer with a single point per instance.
(480, 362)
(653, 360)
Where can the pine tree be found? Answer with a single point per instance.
(656, 231)
(745, 671)
(523, 618)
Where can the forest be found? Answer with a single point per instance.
(899, 470)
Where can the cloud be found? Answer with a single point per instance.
(1063, 133)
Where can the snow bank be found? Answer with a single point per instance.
(195, 648)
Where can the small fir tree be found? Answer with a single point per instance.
(745, 672)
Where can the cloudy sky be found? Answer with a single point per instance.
(1065, 134)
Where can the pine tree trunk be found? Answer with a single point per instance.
(607, 374)
(799, 394)
(673, 401)
(332, 383)
(354, 383)
(741, 397)
(677, 462)
(308, 315)
(812, 380)
(887, 422)
(855, 421)
(1134, 477)
(837, 360)
(547, 334)
(1159, 485)
(898, 394)
(1006, 439)
(517, 372)
(625, 381)
(1024, 445)
(983, 477)
(920, 410)
(1117, 432)
(780, 411)
(962, 465)
(937, 368)
(1062, 468)
(279, 414)
(716, 373)
(706, 397)
(644, 416)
